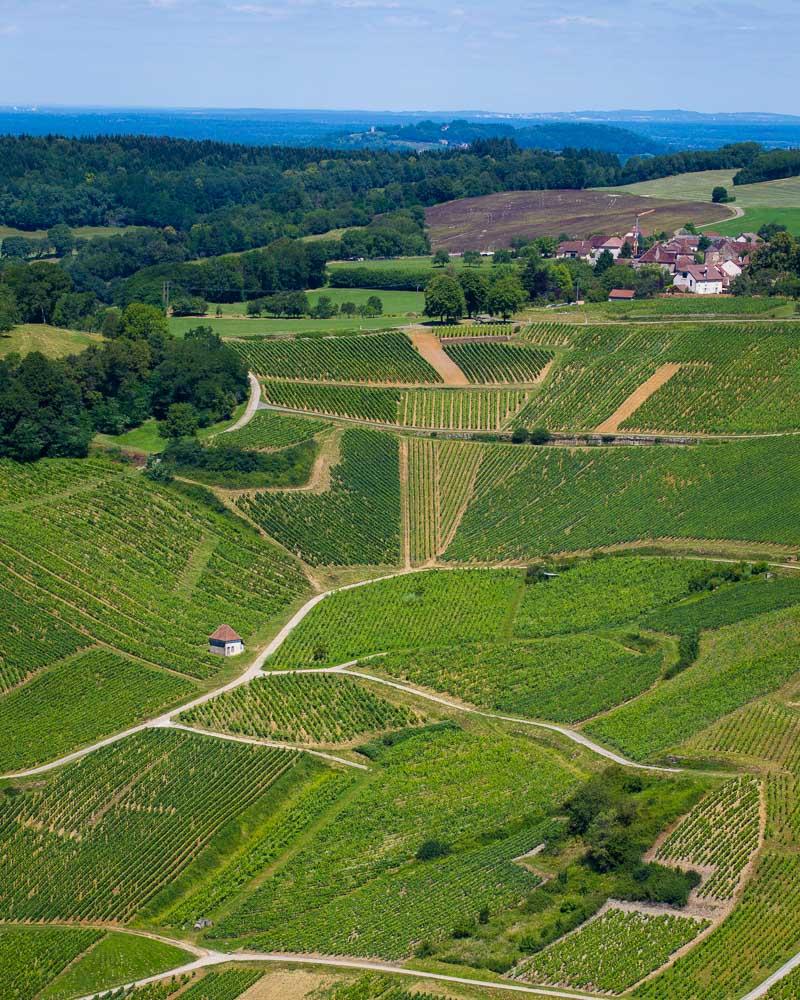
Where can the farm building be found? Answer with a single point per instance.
(700, 279)
(225, 642)
(621, 295)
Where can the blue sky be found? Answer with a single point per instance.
(499, 55)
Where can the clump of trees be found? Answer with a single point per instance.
(52, 408)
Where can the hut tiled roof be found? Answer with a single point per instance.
(225, 634)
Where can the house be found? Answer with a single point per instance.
(613, 244)
(700, 279)
(225, 642)
(575, 250)
(621, 295)
(658, 254)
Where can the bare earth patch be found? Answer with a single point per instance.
(430, 348)
(636, 398)
(492, 221)
(295, 985)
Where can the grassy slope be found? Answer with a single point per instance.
(260, 327)
(53, 341)
(769, 201)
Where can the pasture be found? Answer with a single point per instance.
(52, 341)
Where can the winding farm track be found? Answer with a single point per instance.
(252, 405)
(167, 720)
(212, 958)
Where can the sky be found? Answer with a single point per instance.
(493, 55)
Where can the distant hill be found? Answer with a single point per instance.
(429, 134)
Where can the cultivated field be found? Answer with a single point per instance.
(493, 220)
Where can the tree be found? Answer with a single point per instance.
(720, 195)
(604, 262)
(444, 298)
(704, 244)
(348, 309)
(17, 247)
(475, 288)
(472, 258)
(374, 306)
(182, 420)
(502, 257)
(627, 251)
(506, 296)
(535, 277)
(62, 239)
(325, 308)
(770, 230)
(37, 288)
(8, 309)
(143, 322)
(441, 258)
(561, 284)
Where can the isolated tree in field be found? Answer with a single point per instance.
(475, 288)
(441, 258)
(720, 195)
(182, 420)
(444, 298)
(472, 258)
(506, 296)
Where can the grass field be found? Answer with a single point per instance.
(768, 201)
(493, 220)
(400, 304)
(50, 340)
(146, 436)
(83, 232)
(264, 327)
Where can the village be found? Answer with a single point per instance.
(699, 264)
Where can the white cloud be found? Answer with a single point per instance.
(578, 20)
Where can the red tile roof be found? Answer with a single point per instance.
(225, 634)
(621, 293)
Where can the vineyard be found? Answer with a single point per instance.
(115, 960)
(733, 377)
(565, 679)
(761, 932)
(386, 357)
(721, 833)
(402, 613)
(103, 836)
(304, 708)
(613, 952)
(32, 957)
(479, 331)
(586, 498)
(763, 731)
(364, 491)
(451, 409)
(737, 664)
(78, 701)
(267, 430)
(358, 886)
(482, 362)
(104, 563)
(302, 806)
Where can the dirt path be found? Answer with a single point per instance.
(212, 958)
(571, 734)
(252, 405)
(635, 400)
(430, 348)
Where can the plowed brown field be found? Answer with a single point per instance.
(492, 221)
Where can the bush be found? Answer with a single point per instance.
(519, 435)
(540, 435)
(430, 849)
